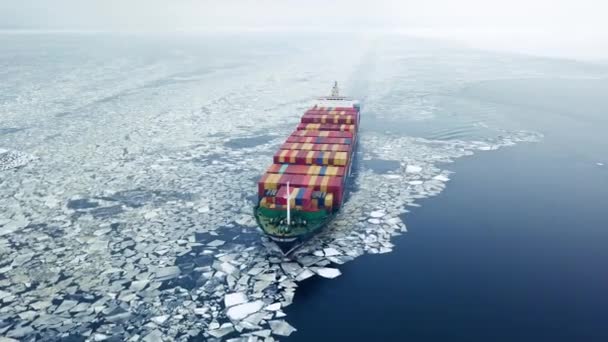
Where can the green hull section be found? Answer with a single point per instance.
(303, 224)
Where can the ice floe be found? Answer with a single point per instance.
(441, 178)
(326, 272)
(305, 274)
(330, 251)
(377, 213)
(153, 336)
(13, 159)
(216, 243)
(232, 299)
(241, 311)
(221, 331)
(281, 328)
(413, 169)
(273, 307)
(166, 273)
(143, 230)
(160, 320)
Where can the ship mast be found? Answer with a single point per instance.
(335, 92)
(288, 205)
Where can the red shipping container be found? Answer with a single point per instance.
(317, 133)
(299, 196)
(331, 184)
(333, 119)
(331, 112)
(307, 170)
(325, 127)
(333, 109)
(311, 157)
(318, 140)
(316, 147)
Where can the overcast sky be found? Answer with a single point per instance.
(565, 24)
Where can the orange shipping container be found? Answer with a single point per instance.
(325, 127)
(307, 170)
(317, 133)
(316, 147)
(318, 140)
(333, 119)
(329, 184)
(311, 157)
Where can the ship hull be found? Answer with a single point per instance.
(291, 240)
(288, 243)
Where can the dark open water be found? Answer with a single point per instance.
(513, 250)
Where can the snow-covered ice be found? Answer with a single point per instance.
(441, 178)
(216, 243)
(377, 214)
(129, 191)
(13, 159)
(413, 169)
(232, 299)
(281, 328)
(326, 272)
(241, 311)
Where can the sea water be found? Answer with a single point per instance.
(129, 167)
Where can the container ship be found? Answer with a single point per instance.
(304, 188)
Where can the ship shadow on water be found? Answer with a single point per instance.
(249, 142)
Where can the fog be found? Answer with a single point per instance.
(559, 27)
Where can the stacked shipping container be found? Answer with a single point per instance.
(314, 159)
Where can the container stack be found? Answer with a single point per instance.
(314, 160)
